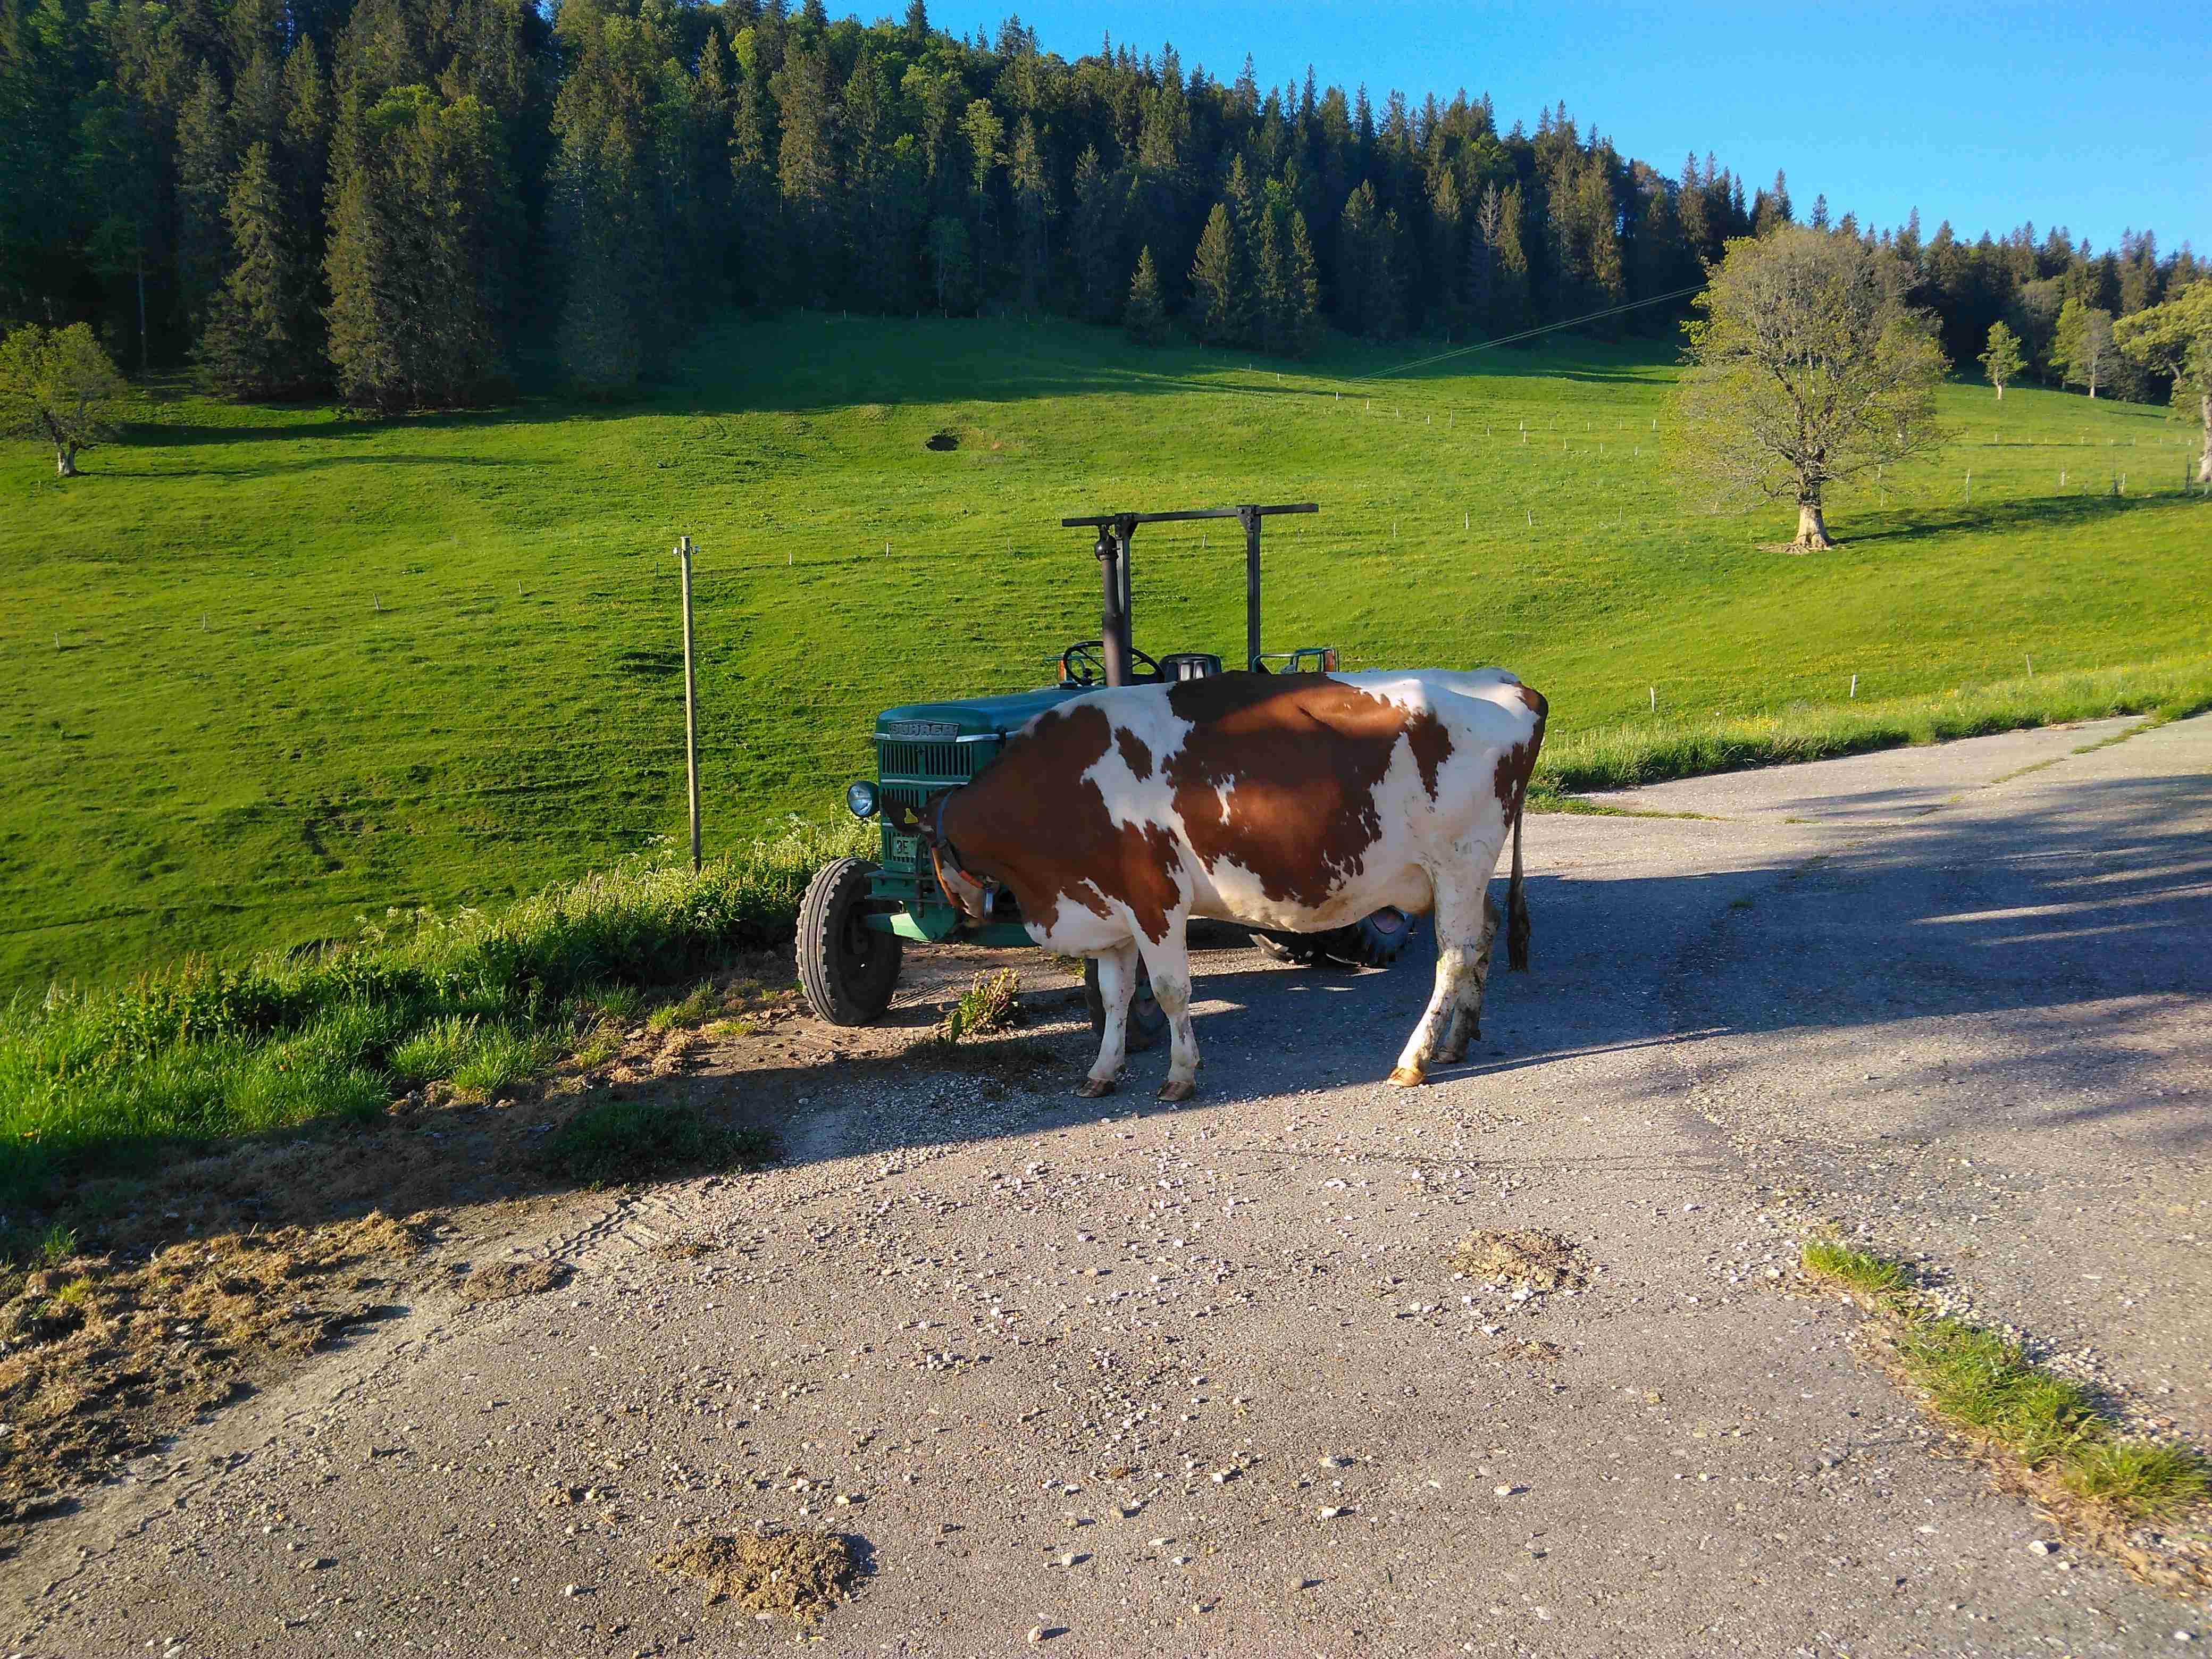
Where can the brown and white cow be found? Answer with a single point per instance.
(1295, 801)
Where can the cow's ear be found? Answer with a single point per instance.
(903, 818)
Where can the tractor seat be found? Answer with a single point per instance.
(1189, 666)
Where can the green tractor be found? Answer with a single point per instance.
(858, 916)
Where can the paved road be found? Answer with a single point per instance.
(1953, 1001)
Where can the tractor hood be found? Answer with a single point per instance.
(941, 722)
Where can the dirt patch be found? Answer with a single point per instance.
(497, 1280)
(801, 1574)
(1532, 1259)
(1544, 1353)
(103, 1355)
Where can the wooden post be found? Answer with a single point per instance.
(690, 702)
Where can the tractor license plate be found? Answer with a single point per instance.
(904, 848)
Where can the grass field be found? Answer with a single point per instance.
(263, 671)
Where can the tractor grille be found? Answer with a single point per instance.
(910, 773)
(928, 762)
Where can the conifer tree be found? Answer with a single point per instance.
(1144, 319)
(1481, 290)
(807, 168)
(1268, 308)
(1355, 261)
(1449, 259)
(1217, 282)
(204, 164)
(757, 257)
(1302, 325)
(1099, 198)
(952, 263)
(883, 193)
(1030, 181)
(260, 340)
(1510, 303)
(424, 222)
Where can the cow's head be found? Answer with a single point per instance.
(970, 895)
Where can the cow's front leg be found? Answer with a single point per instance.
(1117, 983)
(1169, 965)
(1461, 943)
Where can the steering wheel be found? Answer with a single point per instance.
(1081, 664)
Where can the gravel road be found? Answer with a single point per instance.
(1109, 1378)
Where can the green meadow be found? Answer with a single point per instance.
(265, 671)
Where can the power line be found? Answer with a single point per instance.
(1529, 333)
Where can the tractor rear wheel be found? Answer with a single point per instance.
(846, 967)
(1374, 941)
(1148, 1021)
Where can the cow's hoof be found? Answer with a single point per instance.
(1173, 1090)
(1405, 1076)
(1092, 1089)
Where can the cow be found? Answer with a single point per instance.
(1298, 802)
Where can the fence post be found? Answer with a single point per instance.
(690, 702)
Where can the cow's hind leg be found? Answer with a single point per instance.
(1466, 1023)
(1168, 963)
(1462, 949)
(1117, 984)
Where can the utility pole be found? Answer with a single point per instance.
(690, 701)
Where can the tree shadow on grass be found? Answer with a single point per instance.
(2069, 512)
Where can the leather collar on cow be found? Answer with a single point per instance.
(970, 896)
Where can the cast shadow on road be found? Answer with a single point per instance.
(2077, 930)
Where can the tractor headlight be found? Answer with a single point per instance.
(860, 799)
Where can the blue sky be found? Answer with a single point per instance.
(2082, 115)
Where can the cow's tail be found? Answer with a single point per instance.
(1516, 902)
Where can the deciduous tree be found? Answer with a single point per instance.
(1806, 367)
(2177, 337)
(2082, 345)
(2002, 360)
(57, 387)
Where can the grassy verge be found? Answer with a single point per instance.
(107, 1081)
(1633, 752)
(2047, 1430)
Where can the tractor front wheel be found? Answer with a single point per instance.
(1299, 950)
(846, 967)
(1148, 1021)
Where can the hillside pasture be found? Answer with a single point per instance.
(269, 672)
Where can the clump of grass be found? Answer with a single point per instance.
(614, 1002)
(688, 1010)
(2138, 1477)
(991, 1003)
(434, 1050)
(599, 1043)
(1870, 1276)
(500, 1058)
(2048, 1427)
(620, 1141)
